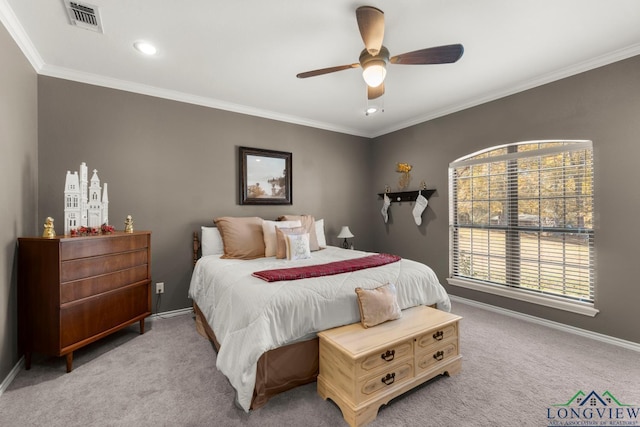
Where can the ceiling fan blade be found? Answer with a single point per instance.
(371, 25)
(375, 92)
(432, 55)
(326, 70)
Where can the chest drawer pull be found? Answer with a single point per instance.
(389, 379)
(439, 355)
(438, 336)
(389, 355)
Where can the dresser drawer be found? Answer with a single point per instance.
(385, 356)
(83, 288)
(385, 380)
(92, 316)
(439, 354)
(95, 266)
(82, 247)
(436, 335)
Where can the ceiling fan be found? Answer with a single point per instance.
(375, 57)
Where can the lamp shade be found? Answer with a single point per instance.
(345, 233)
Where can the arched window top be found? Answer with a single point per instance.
(521, 149)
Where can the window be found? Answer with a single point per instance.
(521, 223)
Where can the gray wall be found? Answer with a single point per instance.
(602, 105)
(173, 167)
(19, 175)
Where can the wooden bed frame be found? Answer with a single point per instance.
(280, 369)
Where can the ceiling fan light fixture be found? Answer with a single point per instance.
(374, 72)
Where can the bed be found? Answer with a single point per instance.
(265, 332)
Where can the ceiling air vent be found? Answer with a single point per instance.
(84, 15)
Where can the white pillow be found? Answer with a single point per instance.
(298, 246)
(269, 233)
(322, 240)
(211, 241)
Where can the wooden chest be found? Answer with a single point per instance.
(75, 290)
(363, 369)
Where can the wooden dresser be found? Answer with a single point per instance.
(363, 369)
(75, 290)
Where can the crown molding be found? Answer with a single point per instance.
(98, 80)
(562, 73)
(16, 30)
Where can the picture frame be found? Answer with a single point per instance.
(265, 177)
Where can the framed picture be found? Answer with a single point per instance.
(265, 177)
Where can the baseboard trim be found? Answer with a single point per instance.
(172, 313)
(630, 345)
(12, 374)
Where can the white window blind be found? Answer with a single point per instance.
(521, 216)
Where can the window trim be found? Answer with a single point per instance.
(584, 308)
(517, 293)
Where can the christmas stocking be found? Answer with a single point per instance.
(421, 205)
(385, 207)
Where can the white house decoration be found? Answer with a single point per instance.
(85, 203)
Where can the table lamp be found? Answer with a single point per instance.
(345, 234)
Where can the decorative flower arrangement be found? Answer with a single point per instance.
(92, 231)
(404, 167)
(405, 178)
(107, 229)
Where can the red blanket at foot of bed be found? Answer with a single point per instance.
(327, 269)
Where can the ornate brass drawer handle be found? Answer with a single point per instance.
(439, 355)
(438, 335)
(389, 379)
(389, 355)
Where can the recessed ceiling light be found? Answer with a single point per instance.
(370, 110)
(145, 47)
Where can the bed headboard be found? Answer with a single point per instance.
(196, 247)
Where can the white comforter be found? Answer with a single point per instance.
(250, 316)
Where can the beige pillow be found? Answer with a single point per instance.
(242, 237)
(309, 224)
(281, 243)
(378, 305)
(269, 232)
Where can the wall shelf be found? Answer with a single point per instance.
(406, 196)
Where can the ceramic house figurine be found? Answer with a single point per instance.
(85, 203)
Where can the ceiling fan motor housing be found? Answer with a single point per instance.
(367, 59)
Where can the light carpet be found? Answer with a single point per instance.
(513, 371)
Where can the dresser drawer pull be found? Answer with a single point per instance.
(438, 335)
(439, 355)
(389, 355)
(389, 379)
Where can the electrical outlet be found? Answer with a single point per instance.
(160, 288)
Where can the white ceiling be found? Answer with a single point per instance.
(244, 55)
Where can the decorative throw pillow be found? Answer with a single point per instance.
(281, 244)
(242, 237)
(309, 223)
(378, 305)
(322, 240)
(211, 241)
(297, 246)
(269, 232)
